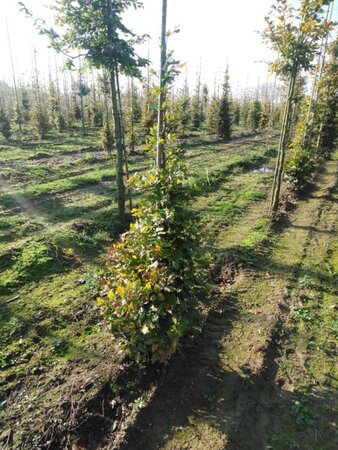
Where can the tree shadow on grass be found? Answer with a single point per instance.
(201, 403)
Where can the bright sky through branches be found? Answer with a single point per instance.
(212, 33)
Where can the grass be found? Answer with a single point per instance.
(52, 245)
(56, 218)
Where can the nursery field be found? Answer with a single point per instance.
(63, 384)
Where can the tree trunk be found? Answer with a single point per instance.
(307, 136)
(82, 116)
(277, 182)
(121, 200)
(18, 107)
(160, 153)
(132, 147)
(81, 101)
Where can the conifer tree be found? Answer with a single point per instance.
(236, 112)
(255, 115)
(182, 108)
(197, 117)
(5, 124)
(265, 117)
(55, 114)
(149, 109)
(38, 114)
(107, 138)
(25, 103)
(213, 114)
(94, 108)
(205, 100)
(132, 115)
(224, 112)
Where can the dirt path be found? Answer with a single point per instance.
(237, 388)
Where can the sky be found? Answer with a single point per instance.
(213, 33)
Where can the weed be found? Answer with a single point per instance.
(88, 159)
(59, 345)
(307, 282)
(227, 209)
(284, 442)
(304, 314)
(305, 417)
(252, 196)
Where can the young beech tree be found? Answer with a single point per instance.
(328, 105)
(95, 30)
(294, 33)
(155, 278)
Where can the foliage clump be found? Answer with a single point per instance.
(155, 276)
(301, 166)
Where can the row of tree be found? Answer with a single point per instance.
(298, 36)
(79, 100)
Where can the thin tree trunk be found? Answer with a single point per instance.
(121, 196)
(81, 102)
(277, 182)
(125, 153)
(132, 117)
(118, 128)
(307, 137)
(18, 109)
(160, 153)
(105, 85)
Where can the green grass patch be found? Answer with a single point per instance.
(58, 186)
(34, 261)
(229, 210)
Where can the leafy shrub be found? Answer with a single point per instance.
(300, 166)
(155, 276)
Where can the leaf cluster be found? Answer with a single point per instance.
(294, 33)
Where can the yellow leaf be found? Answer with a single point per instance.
(157, 249)
(100, 301)
(121, 291)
